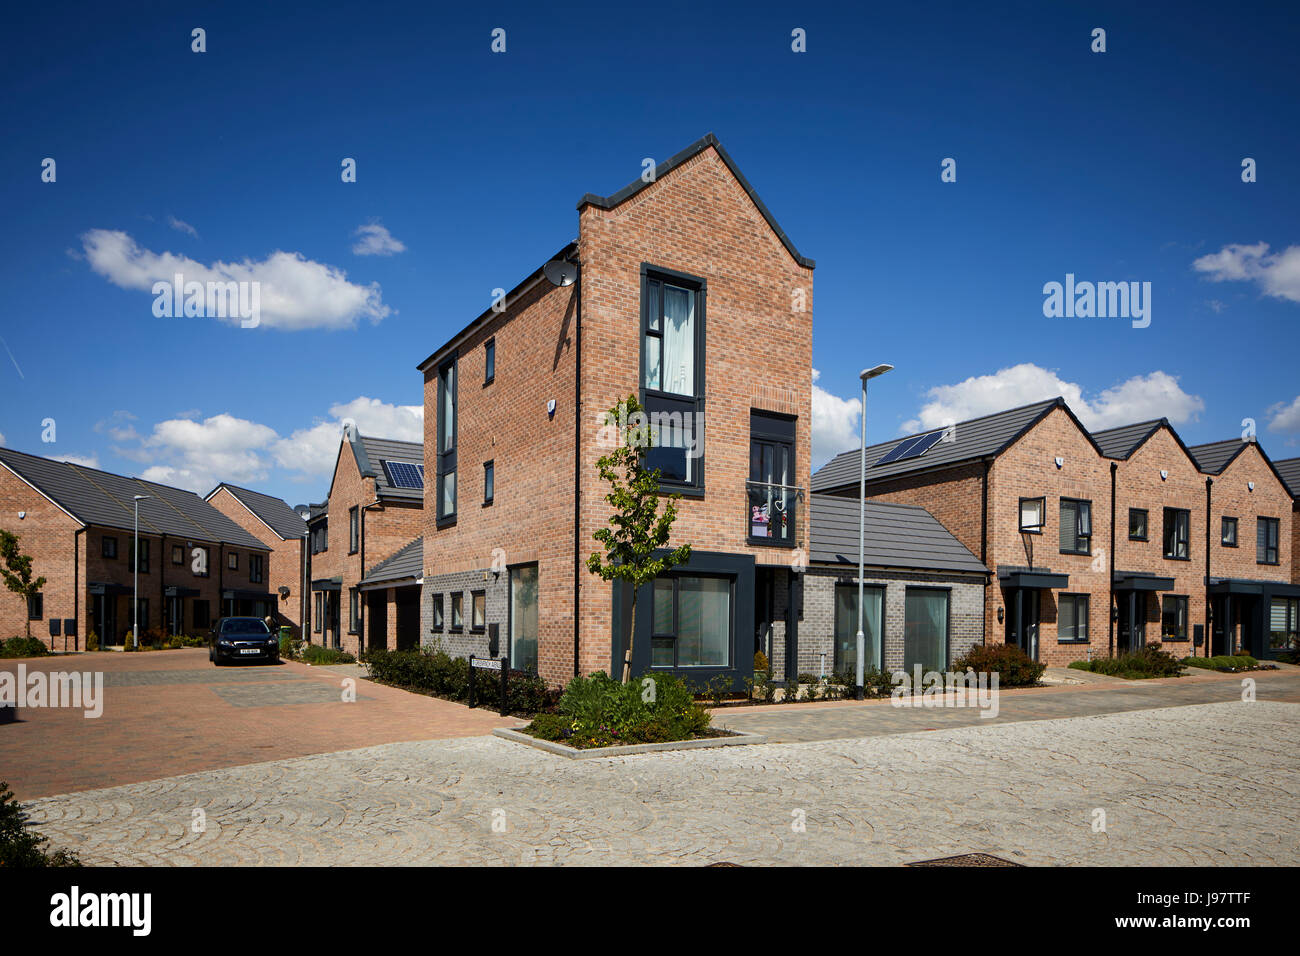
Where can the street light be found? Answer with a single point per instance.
(867, 374)
(135, 587)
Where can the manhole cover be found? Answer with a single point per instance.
(724, 864)
(967, 859)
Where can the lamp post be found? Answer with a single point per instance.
(135, 586)
(866, 375)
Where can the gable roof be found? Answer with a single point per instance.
(664, 168)
(275, 513)
(982, 437)
(406, 563)
(897, 536)
(103, 498)
(372, 452)
(1289, 469)
(1214, 457)
(1121, 442)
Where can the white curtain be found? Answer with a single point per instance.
(679, 341)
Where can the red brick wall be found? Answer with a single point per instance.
(285, 564)
(46, 535)
(1232, 497)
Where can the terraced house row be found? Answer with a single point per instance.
(1099, 543)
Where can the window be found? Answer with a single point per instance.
(446, 489)
(691, 622)
(523, 618)
(232, 561)
(1072, 618)
(200, 565)
(1228, 531)
(1076, 526)
(1266, 540)
(1284, 624)
(1137, 524)
(1177, 534)
(354, 529)
(354, 610)
(143, 606)
(255, 568)
(1173, 618)
(489, 481)
(846, 628)
(672, 379)
(1032, 514)
(457, 611)
(144, 555)
(478, 611)
(35, 607)
(320, 537)
(771, 496)
(202, 615)
(108, 547)
(437, 612)
(489, 361)
(925, 630)
(318, 624)
(178, 554)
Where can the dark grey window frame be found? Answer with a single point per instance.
(1186, 516)
(656, 401)
(144, 555)
(319, 623)
(1078, 523)
(1224, 523)
(446, 460)
(354, 529)
(489, 481)
(255, 568)
(35, 606)
(207, 561)
(474, 597)
(947, 638)
(1146, 524)
(354, 610)
(1262, 522)
(770, 428)
(674, 636)
(108, 543)
(457, 603)
(1020, 514)
(232, 560)
(852, 587)
(1075, 597)
(490, 361)
(439, 621)
(178, 549)
(1186, 606)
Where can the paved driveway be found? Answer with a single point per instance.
(1205, 784)
(170, 712)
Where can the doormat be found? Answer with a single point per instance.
(967, 859)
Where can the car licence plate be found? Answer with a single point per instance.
(250, 650)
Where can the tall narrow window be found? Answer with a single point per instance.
(354, 529)
(846, 628)
(925, 630)
(672, 379)
(1177, 533)
(478, 610)
(319, 613)
(489, 361)
(458, 611)
(489, 482)
(446, 490)
(354, 610)
(1173, 617)
(255, 568)
(1228, 529)
(523, 618)
(771, 493)
(1266, 541)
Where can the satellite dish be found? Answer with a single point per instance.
(561, 272)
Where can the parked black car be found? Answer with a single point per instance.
(242, 639)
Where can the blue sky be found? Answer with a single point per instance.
(1115, 166)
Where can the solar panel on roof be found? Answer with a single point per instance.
(911, 447)
(404, 474)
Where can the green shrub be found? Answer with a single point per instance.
(438, 673)
(1144, 664)
(1290, 656)
(1013, 666)
(315, 654)
(599, 711)
(24, 647)
(18, 846)
(290, 646)
(1081, 665)
(875, 683)
(1223, 662)
(92, 641)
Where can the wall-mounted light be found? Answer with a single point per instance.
(1114, 613)
(1164, 475)
(1060, 462)
(550, 408)
(1250, 485)
(1000, 614)
(22, 515)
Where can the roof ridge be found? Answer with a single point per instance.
(79, 470)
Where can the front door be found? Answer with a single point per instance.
(106, 618)
(1023, 609)
(1130, 629)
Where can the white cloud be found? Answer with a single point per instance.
(376, 240)
(2, 438)
(118, 426)
(296, 293)
(86, 461)
(1277, 275)
(1140, 398)
(181, 225)
(1285, 417)
(834, 423)
(196, 455)
(312, 450)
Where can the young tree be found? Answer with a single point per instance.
(636, 528)
(17, 572)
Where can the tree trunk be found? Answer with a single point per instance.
(631, 636)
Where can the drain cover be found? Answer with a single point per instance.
(724, 863)
(967, 859)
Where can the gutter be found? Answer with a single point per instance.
(577, 468)
(984, 540)
(1110, 584)
(1209, 485)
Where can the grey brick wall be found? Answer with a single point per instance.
(496, 588)
(817, 625)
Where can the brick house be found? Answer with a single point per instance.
(673, 290)
(283, 530)
(1289, 469)
(77, 524)
(1098, 543)
(373, 511)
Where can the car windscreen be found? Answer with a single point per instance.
(250, 626)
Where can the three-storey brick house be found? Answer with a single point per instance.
(681, 290)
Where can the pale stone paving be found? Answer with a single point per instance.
(1204, 784)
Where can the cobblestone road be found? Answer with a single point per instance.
(1200, 784)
